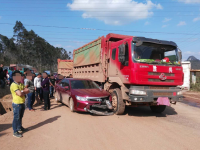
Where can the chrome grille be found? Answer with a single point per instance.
(162, 93)
(158, 73)
(158, 87)
(158, 80)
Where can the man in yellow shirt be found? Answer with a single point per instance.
(18, 92)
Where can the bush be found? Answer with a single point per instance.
(195, 87)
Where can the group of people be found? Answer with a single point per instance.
(41, 88)
(25, 88)
(5, 76)
(41, 85)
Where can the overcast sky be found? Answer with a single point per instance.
(74, 23)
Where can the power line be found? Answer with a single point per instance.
(100, 7)
(93, 39)
(92, 11)
(83, 2)
(186, 42)
(70, 16)
(82, 34)
(99, 29)
(74, 40)
(60, 41)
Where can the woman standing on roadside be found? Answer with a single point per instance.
(31, 94)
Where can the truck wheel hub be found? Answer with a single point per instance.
(114, 102)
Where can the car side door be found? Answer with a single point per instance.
(65, 92)
(59, 89)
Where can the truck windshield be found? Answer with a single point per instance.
(155, 54)
(83, 84)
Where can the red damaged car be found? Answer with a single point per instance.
(84, 95)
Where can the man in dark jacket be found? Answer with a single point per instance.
(10, 75)
(45, 87)
(52, 85)
(2, 78)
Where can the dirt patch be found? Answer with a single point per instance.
(4, 91)
(5, 100)
(192, 94)
(191, 98)
(6, 105)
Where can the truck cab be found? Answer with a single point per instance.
(146, 70)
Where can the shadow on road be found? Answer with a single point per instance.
(145, 111)
(5, 127)
(50, 120)
(57, 105)
(1, 134)
(84, 113)
(2, 109)
(191, 102)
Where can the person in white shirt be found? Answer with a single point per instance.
(26, 97)
(38, 87)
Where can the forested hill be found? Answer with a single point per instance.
(26, 47)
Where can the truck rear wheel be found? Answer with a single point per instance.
(158, 109)
(117, 102)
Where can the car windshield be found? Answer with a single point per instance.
(155, 54)
(83, 84)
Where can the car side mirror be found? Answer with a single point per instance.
(66, 88)
(122, 53)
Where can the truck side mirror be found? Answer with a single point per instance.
(180, 54)
(122, 53)
(138, 43)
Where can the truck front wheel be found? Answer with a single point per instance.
(158, 109)
(117, 102)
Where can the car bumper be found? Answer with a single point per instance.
(94, 107)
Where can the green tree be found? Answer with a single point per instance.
(26, 47)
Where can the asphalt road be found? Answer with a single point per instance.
(177, 128)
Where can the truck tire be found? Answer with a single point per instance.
(117, 102)
(158, 109)
(71, 105)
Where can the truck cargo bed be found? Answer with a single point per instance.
(87, 61)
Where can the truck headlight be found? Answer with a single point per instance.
(138, 92)
(179, 93)
(81, 98)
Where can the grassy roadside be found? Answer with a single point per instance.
(195, 87)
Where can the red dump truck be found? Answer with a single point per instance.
(135, 70)
(65, 67)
